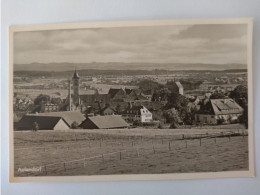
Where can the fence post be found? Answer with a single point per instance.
(182, 136)
(162, 141)
(215, 140)
(137, 152)
(64, 165)
(169, 145)
(120, 156)
(100, 143)
(45, 169)
(200, 141)
(84, 162)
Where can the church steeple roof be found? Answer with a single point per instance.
(75, 75)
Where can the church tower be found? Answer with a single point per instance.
(75, 84)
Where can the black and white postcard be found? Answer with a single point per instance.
(134, 100)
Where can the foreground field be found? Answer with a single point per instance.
(102, 152)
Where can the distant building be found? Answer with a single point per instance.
(43, 122)
(48, 107)
(137, 113)
(226, 110)
(107, 110)
(104, 122)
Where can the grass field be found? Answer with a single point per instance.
(130, 151)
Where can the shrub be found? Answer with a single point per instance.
(35, 126)
(74, 125)
(220, 121)
(137, 123)
(160, 126)
(174, 125)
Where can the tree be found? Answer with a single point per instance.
(74, 125)
(171, 115)
(35, 126)
(42, 98)
(56, 100)
(240, 95)
(190, 116)
(174, 125)
(179, 102)
(118, 109)
(161, 94)
(191, 84)
(218, 95)
(243, 119)
(147, 85)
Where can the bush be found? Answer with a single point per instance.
(35, 126)
(174, 125)
(220, 121)
(137, 123)
(74, 125)
(160, 126)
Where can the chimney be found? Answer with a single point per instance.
(69, 93)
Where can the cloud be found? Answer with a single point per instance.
(165, 44)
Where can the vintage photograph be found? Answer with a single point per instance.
(127, 99)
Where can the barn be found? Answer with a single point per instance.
(43, 122)
(104, 122)
(68, 116)
(225, 110)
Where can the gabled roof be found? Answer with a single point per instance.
(106, 122)
(114, 91)
(221, 106)
(105, 108)
(128, 91)
(68, 116)
(44, 122)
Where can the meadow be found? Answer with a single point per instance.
(129, 151)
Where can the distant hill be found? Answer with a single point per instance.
(111, 66)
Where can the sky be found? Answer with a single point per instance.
(207, 44)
